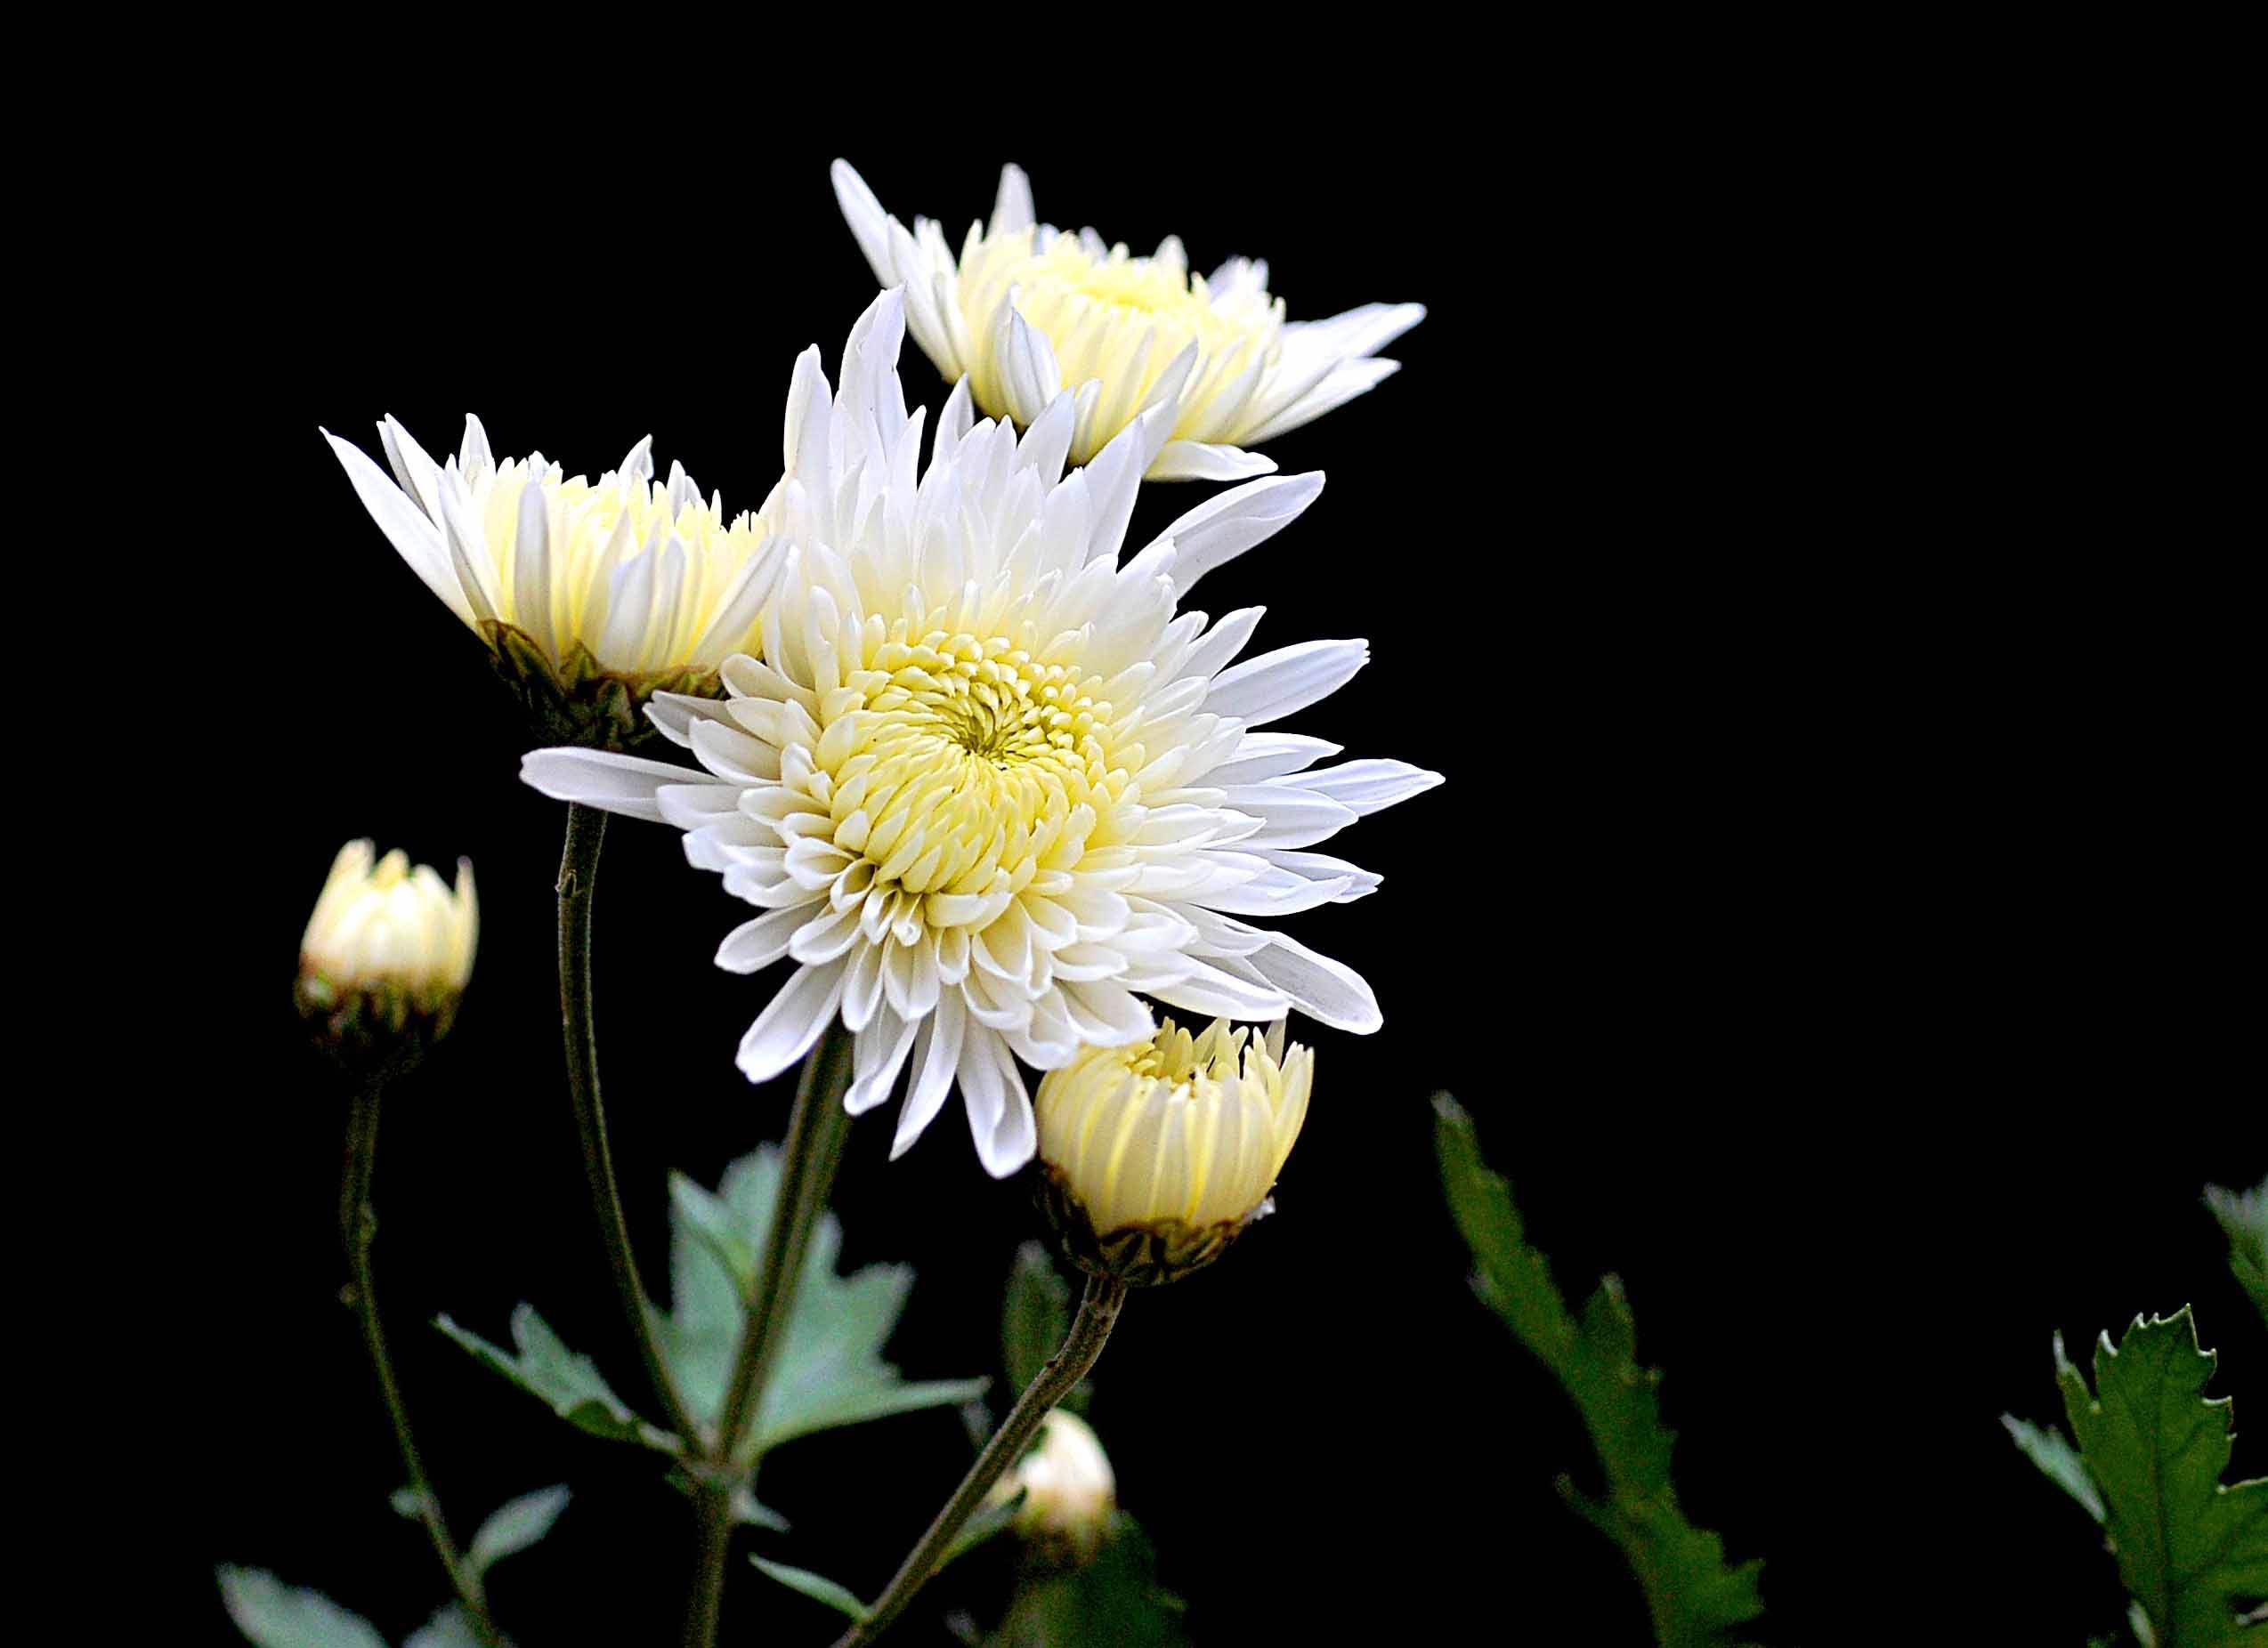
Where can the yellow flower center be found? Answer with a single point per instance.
(954, 765)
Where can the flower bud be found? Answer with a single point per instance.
(1154, 1156)
(385, 957)
(1069, 1490)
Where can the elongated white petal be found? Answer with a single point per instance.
(1198, 460)
(1279, 684)
(784, 1031)
(1319, 987)
(1216, 532)
(623, 784)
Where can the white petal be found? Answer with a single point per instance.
(415, 538)
(1216, 532)
(1012, 205)
(1365, 786)
(937, 1061)
(755, 945)
(1198, 460)
(597, 777)
(784, 1031)
(1289, 679)
(1319, 987)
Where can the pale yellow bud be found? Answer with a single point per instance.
(1155, 1156)
(387, 953)
(1069, 1490)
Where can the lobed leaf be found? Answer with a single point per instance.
(1696, 1598)
(571, 1385)
(2190, 1549)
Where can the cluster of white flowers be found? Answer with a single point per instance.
(991, 788)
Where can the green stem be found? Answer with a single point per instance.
(1090, 1330)
(578, 875)
(358, 1227)
(813, 1150)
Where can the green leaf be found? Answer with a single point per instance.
(515, 1526)
(2157, 1448)
(275, 1615)
(1034, 1315)
(2244, 1215)
(746, 1508)
(570, 1384)
(452, 1627)
(830, 1370)
(1695, 1597)
(817, 1586)
(989, 1522)
(2058, 1460)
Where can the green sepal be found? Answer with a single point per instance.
(1147, 1255)
(568, 1383)
(579, 701)
(1696, 1598)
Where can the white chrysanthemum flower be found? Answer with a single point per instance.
(985, 783)
(591, 595)
(1160, 1153)
(1026, 311)
(378, 921)
(386, 954)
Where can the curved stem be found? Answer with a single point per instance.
(358, 1228)
(813, 1150)
(1098, 1311)
(578, 874)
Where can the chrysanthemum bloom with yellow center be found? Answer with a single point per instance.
(387, 952)
(591, 596)
(1027, 311)
(1156, 1155)
(985, 782)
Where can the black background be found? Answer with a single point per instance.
(1825, 917)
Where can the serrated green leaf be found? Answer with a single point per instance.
(2244, 1215)
(276, 1615)
(1695, 1599)
(571, 1385)
(450, 1627)
(2057, 1459)
(817, 1586)
(515, 1526)
(1034, 1315)
(831, 1371)
(2156, 1447)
